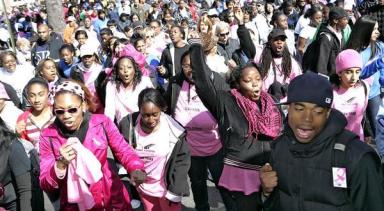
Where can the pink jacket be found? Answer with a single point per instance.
(109, 193)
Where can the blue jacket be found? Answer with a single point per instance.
(100, 24)
(373, 67)
(380, 130)
(65, 69)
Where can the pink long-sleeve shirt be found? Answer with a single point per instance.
(202, 129)
(119, 103)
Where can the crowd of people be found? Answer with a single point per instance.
(277, 102)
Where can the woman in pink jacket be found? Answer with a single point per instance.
(94, 134)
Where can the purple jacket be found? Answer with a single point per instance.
(109, 193)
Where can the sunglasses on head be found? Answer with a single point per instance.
(69, 110)
(224, 34)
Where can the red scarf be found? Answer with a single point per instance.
(267, 120)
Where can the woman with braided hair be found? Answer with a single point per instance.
(277, 66)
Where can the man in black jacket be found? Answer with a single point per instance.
(329, 42)
(46, 46)
(170, 62)
(316, 164)
(225, 43)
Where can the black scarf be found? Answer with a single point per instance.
(80, 133)
(5, 148)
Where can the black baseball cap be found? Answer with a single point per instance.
(310, 87)
(276, 33)
(337, 13)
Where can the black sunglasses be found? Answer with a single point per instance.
(224, 34)
(69, 110)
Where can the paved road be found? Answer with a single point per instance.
(214, 199)
(188, 204)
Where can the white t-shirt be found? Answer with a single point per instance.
(290, 41)
(308, 33)
(216, 63)
(9, 115)
(301, 24)
(153, 151)
(19, 78)
(263, 27)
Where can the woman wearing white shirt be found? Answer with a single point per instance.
(123, 90)
(214, 61)
(308, 32)
(8, 111)
(13, 73)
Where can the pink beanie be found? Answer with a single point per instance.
(347, 59)
(139, 58)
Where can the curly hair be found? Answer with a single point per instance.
(115, 72)
(7, 53)
(267, 58)
(40, 66)
(236, 74)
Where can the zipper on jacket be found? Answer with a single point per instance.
(300, 197)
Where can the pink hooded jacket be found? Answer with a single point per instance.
(109, 193)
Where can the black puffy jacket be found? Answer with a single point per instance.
(304, 172)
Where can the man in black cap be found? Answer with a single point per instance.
(317, 165)
(328, 44)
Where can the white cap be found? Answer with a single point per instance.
(348, 4)
(213, 12)
(71, 18)
(87, 49)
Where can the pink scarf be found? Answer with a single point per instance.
(267, 120)
(83, 171)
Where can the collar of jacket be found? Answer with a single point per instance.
(53, 131)
(335, 124)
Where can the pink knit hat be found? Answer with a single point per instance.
(347, 59)
(139, 58)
